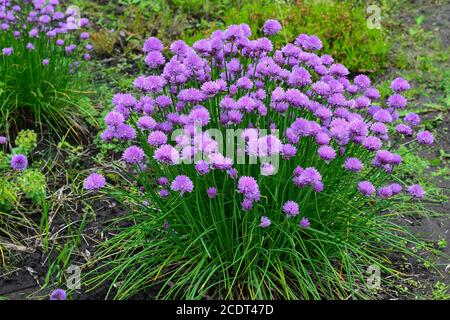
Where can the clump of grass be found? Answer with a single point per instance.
(43, 79)
(299, 208)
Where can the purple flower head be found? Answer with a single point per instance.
(425, 137)
(416, 191)
(58, 294)
(362, 81)
(248, 187)
(212, 192)
(385, 192)
(271, 27)
(327, 153)
(353, 164)
(19, 162)
(3, 140)
(399, 85)
(84, 36)
(288, 151)
(247, 204)
(7, 51)
(157, 138)
(304, 223)
(154, 59)
(366, 188)
(162, 181)
(290, 208)
(94, 181)
(146, 123)
(133, 155)
(412, 119)
(152, 44)
(396, 188)
(397, 101)
(265, 222)
(202, 167)
(182, 184)
(164, 193)
(167, 154)
(404, 129)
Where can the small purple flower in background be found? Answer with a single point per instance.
(265, 222)
(182, 184)
(152, 44)
(271, 27)
(413, 119)
(166, 225)
(399, 85)
(133, 155)
(425, 137)
(267, 169)
(30, 46)
(291, 208)
(157, 138)
(202, 167)
(94, 181)
(304, 223)
(416, 191)
(212, 192)
(58, 294)
(247, 204)
(84, 36)
(45, 62)
(162, 181)
(248, 187)
(19, 162)
(3, 140)
(366, 188)
(164, 193)
(7, 51)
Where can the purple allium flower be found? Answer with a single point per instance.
(265, 222)
(58, 294)
(212, 192)
(271, 27)
(385, 192)
(304, 223)
(182, 184)
(383, 116)
(362, 81)
(416, 191)
(94, 181)
(396, 188)
(7, 51)
(353, 164)
(372, 93)
(322, 138)
(30, 46)
(412, 119)
(19, 162)
(162, 181)
(164, 193)
(146, 123)
(307, 176)
(404, 129)
(366, 188)
(247, 204)
(288, 151)
(290, 208)
(166, 225)
(425, 137)
(154, 59)
(399, 85)
(202, 167)
(45, 62)
(248, 187)
(157, 138)
(327, 153)
(167, 154)
(133, 155)
(3, 140)
(152, 44)
(397, 101)
(84, 36)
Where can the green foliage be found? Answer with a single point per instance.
(342, 27)
(33, 185)
(26, 141)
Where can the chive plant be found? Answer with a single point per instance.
(258, 173)
(42, 74)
